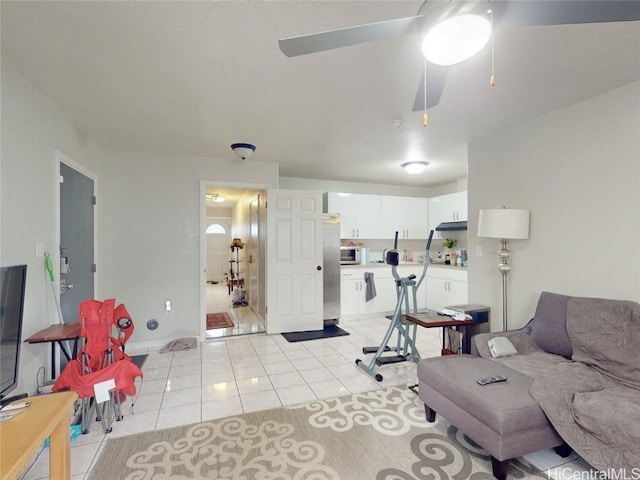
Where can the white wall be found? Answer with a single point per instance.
(578, 171)
(149, 211)
(151, 234)
(33, 129)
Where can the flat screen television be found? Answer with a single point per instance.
(12, 287)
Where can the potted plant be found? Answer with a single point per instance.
(449, 243)
(449, 257)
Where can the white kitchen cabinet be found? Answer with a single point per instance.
(445, 287)
(350, 286)
(405, 271)
(447, 208)
(406, 215)
(353, 291)
(359, 214)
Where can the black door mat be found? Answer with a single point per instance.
(138, 360)
(327, 332)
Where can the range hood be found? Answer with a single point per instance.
(451, 226)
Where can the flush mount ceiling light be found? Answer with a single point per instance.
(243, 150)
(414, 168)
(215, 197)
(456, 39)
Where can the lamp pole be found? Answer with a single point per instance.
(504, 268)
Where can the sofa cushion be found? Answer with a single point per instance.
(605, 334)
(612, 415)
(549, 328)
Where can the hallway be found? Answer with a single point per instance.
(244, 319)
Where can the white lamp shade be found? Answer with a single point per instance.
(505, 223)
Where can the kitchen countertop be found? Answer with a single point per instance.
(408, 264)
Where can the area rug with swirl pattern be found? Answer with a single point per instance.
(381, 435)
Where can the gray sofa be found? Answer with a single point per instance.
(575, 381)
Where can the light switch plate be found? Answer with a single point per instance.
(39, 249)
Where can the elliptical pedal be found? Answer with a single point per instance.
(390, 359)
(368, 350)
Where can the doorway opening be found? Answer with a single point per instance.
(233, 260)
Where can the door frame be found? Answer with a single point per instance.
(61, 158)
(204, 184)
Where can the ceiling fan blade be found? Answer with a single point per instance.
(344, 37)
(436, 76)
(563, 12)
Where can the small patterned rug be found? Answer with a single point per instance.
(377, 435)
(218, 320)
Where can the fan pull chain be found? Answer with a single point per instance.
(492, 80)
(425, 117)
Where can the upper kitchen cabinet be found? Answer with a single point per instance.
(406, 215)
(447, 208)
(359, 214)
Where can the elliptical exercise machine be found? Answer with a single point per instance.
(406, 288)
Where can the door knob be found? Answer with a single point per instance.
(318, 268)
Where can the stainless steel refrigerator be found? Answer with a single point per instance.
(331, 268)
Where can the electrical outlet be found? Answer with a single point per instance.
(39, 249)
(479, 251)
(167, 306)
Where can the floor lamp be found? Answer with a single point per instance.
(505, 224)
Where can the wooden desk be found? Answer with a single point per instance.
(22, 435)
(431, 319)
(60, 334)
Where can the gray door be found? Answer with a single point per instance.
(77, 203)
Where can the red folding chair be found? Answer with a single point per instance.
(123, 325)
(100, 358)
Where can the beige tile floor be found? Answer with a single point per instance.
(237, 374)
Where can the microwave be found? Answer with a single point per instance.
(350, 255)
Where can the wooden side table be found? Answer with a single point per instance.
(234, 282)
(431, 319)
(22, 435)
(60, 334)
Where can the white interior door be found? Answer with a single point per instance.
(294, 261)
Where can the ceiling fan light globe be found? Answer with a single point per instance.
(414, 168)
(456, 39)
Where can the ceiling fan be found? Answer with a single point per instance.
(437, 13)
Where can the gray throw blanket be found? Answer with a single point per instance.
(594, 401)
(180, 344)
(370, 292)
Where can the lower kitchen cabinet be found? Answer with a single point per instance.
(353, 289)
(445, 287)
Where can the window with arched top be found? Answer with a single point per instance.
(216, 228)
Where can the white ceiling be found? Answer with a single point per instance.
(193, 77)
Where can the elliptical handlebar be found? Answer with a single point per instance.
(426, 259)
(393, 258)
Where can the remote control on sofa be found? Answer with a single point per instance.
(491, 379)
